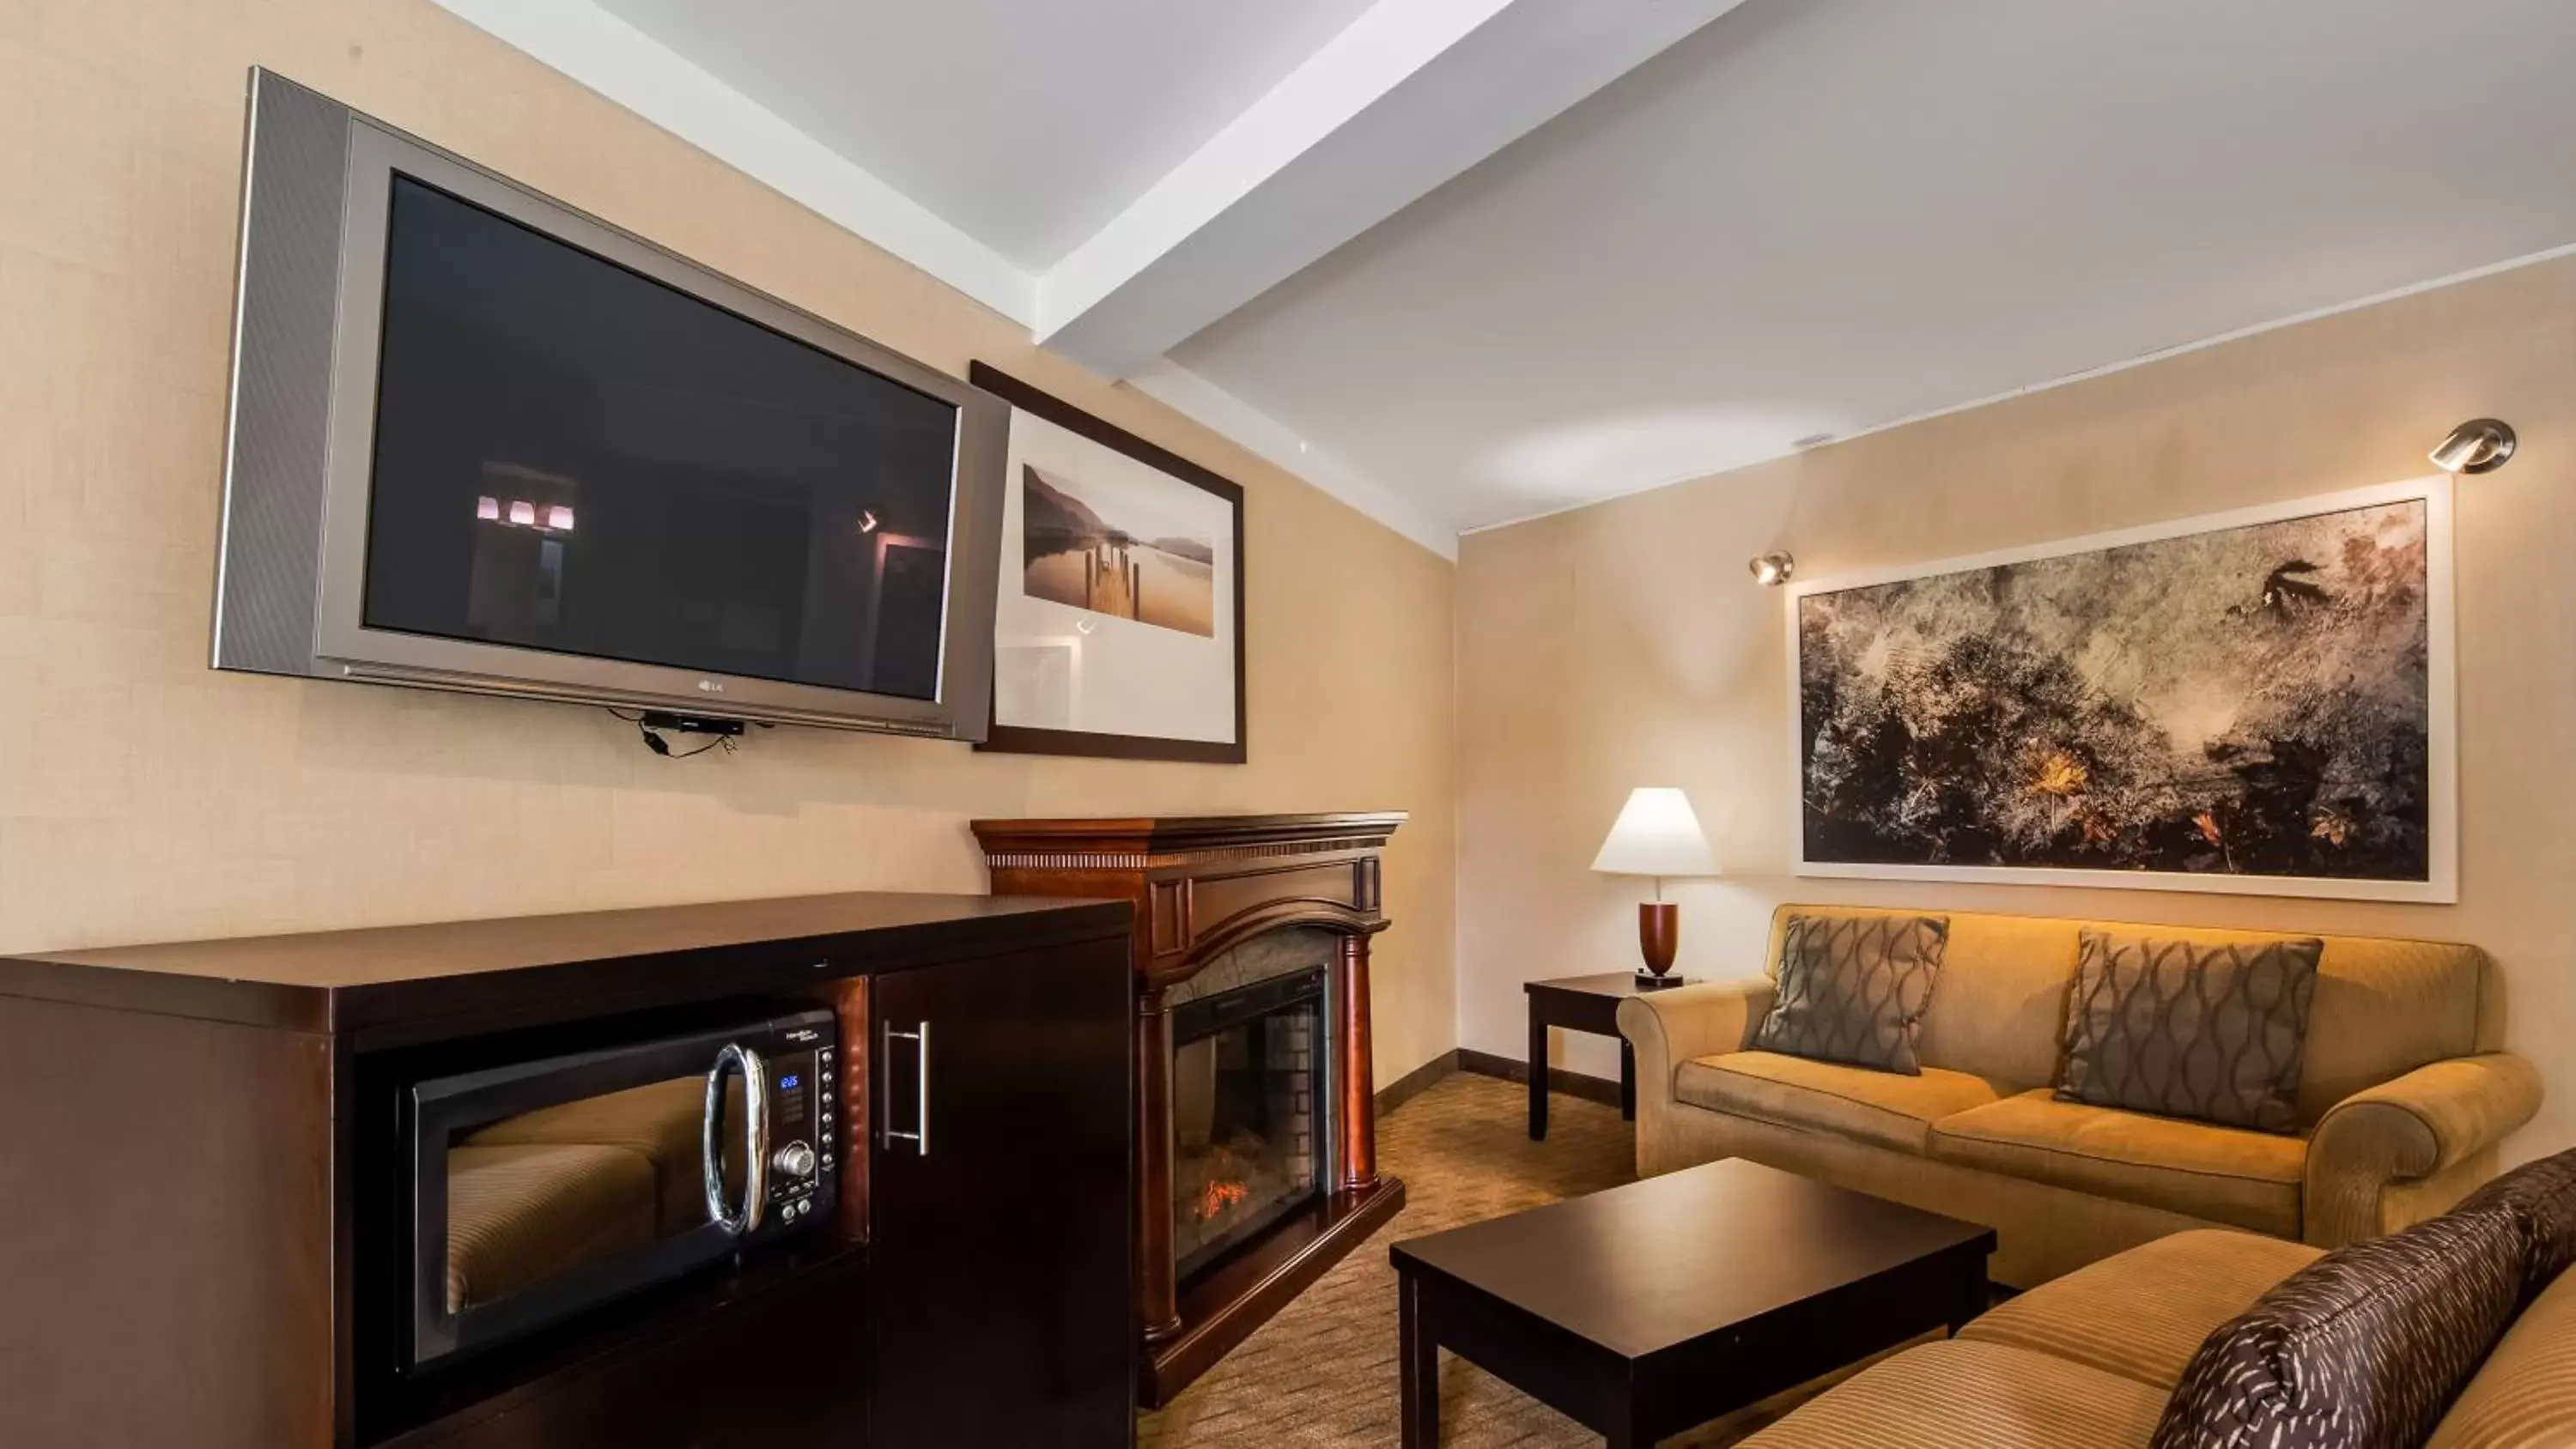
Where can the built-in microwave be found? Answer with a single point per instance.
(543, 1188)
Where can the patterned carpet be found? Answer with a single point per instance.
(1323, 1372)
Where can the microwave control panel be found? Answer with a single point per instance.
(804, 1121)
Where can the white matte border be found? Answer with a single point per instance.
(2442, 807)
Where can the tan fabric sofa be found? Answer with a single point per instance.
(2404, 1097)
(2088, 1361)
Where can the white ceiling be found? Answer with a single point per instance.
(1821, 216)
(1395, 247)
(1028, 124)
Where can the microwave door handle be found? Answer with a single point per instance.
(919, 1136)
(755, 1140)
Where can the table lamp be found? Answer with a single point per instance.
(1656, 835)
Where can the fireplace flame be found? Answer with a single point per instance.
(1218, 1196)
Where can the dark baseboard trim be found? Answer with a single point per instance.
(1512, 1069)
(1414, 1083)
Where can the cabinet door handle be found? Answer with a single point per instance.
(919, 1136)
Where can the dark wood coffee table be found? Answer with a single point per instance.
(1641, 1311)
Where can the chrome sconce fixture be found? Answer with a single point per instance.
(2480, 445)
(1772, 569)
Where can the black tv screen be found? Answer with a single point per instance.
(573, 457)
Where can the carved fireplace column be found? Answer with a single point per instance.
(1358, 1087)
(1203, 887)
(1157, 1282)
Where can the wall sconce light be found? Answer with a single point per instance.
(2479, 445)
(1772, 569)
(867, 520)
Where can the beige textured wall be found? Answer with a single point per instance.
(1623, 644)
(145, 797)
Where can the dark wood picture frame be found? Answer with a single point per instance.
(1029, 740)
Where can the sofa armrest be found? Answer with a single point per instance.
(1669, 1027)
(2421, 1125)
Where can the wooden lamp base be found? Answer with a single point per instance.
(1659, 934)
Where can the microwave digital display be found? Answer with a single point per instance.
(789, 1111)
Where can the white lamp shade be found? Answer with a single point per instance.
(1656, 834)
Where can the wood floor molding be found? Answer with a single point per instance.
(1486, 1064)
(1414, 1083)
(1511, 1069)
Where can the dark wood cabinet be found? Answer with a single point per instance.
(219, 1121)
(999, 1191)
(771, 1370)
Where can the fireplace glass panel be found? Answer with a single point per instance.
(1247, 1114)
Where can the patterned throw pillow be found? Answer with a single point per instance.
(1854, 988)
(2540, 1199)
(2214, 1032)
(2363, 1349)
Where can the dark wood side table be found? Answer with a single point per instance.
(1641, 1311)
(1581, 1003)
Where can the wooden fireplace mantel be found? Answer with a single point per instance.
(1200, 886)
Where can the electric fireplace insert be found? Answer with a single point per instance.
(1248, 1113)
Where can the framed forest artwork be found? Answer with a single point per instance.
(1119, 627)
(2254, 702)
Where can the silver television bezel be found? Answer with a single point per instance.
(345, 646)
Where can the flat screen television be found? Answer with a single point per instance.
(483, 441)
